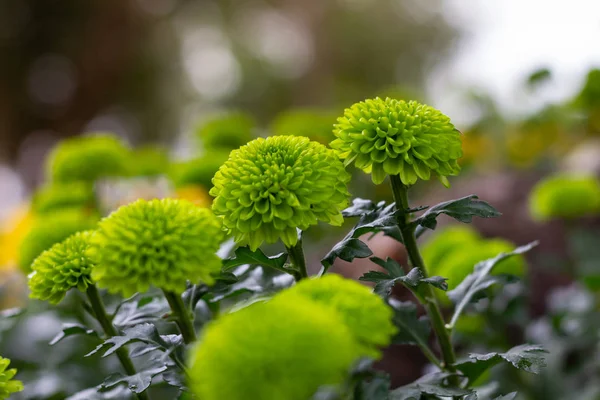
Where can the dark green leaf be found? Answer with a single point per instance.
(479, 280)
(463, 210)
(376, 388)
(525, 357)
(70, 330)
(95, 393)
(256, 281)
(539, 76)
(509, 396)
(243, 255)
(139, 310)
(136, 383)
(144, 333)
(347, 250)
(432, 384)
(411, 328)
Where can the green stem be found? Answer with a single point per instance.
(183, 317)
(296, 254)
(109, 329)
(431, 304)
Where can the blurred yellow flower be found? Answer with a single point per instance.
(12, 233)
(197, 194)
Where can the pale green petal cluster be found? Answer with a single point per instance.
(161, 243)
(88, 158)
(365, 314)
(452, 253)
(565, 196)
(61, 195)
(8, 385)
(395, 137)
(270, 187)
(63, 267)
(227, 132)
(277, 350)
(51, 228)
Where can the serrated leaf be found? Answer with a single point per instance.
(385, 282)
(432, 384)
(136, 383)
(463, 210)
(347, 250)
(145, 333)
(479, 280)
(376, 388)
(509, 396)
(70, 330)
(256, 281)
(95, 393)
(140, 309)
(411, 329)
(529, 358)
(243, 255)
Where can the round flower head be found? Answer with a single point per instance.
(8, 386)
(365, 314)
(161, 243)
(63, 267)
(565, 196)
(57, 196)
(52, 228)
(394, 137)
(275, 350)
(87, 158)
(272, 186)
(228, 131)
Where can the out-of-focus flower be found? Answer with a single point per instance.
(196, 194)
(87, 158)
(227, 132)
(272, 186)
(274, 350)
(368, 318)
(162, 243)
(8, 385)
(52, 228)
(453, 252)
(59, 195)
(314, 124)
(12, 234)
(198, 171)
(565, 196)
(149, 161)
(62, 267)
(394, 137)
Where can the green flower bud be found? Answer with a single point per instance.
(453, 252)
(58, 195)
(565, 196)
(272, 186)
(274, 350)
(161, 243)
(52, 228)
(315, 124)
(368, 318)
(227, 132)
(7, 384)
(394, 137)
(88, 158)
(63, 267)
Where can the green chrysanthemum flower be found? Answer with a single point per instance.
(272, 186)
(50, 229)
(87, 158)
(58, 195)
(63, 267)
(161, 243)
(394, 137)
(368, 318)
(227, 132)
(198, 171)
(273, 351)
(314, 124)
(565, 196)
(149, 161)
(8, 386)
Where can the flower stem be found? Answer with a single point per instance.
(183, 317)
(296, 254)
(400, 192)
(109, 329)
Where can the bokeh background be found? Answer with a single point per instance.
(184, 81)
